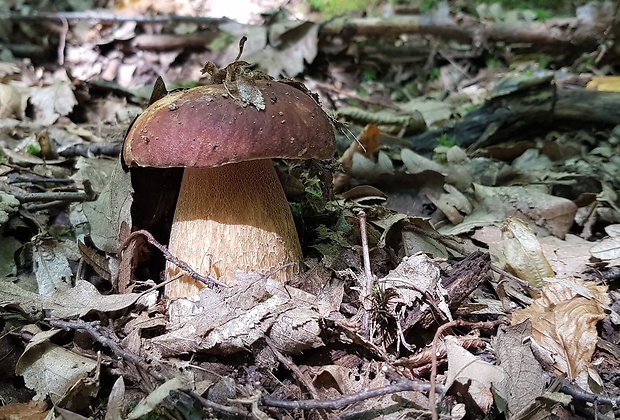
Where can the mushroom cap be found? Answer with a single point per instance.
(210, 126)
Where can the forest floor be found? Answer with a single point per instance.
(460, 238)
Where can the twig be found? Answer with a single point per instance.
(405, 385)
(157, 371)
(89, 149)
(369, 279)
(46, 197)
(293, 368)
(62, 41)
(433, 379)
(232, 411)
(578, 393)
(106, 17)
(207, 280)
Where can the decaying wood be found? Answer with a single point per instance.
(576, 34)
(565, 36)
(534, 108)
(463, 279)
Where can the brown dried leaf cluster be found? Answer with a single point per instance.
(564, 320)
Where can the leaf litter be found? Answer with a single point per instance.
(543, 209)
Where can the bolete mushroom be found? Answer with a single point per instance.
(231, 213)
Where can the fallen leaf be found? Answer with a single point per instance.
(564, 322)
(51, 370)
(526, 381)
(522, 252)
(152, 401)
(608, 249)
(52, 101)
(556, 214)
(51, 264)
(475, 376)
(416, 277)
(77, 301)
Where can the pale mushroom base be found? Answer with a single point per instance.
(229, 218)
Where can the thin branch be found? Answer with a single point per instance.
(47, 197)
(345, 400)
(106, 17)
(92, 329)
(579, 394)
(368, 277)
(207, 280)
(232, 411)
(293, 368)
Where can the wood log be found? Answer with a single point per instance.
(532, 109)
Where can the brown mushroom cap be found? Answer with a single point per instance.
(204, 127)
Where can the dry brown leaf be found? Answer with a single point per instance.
(416, 277)
(10, 102)
(232, 319)
(454, 205)
(34, 410)
(51, 370)
(564, 322)
(367, 143)
(523, 253)
(52, 101)
(526, 382)
(51, 264)
(608, 249)
(555, 214)
(77, 301)
(474, 375)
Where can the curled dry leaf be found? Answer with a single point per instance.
(367, 144)
(415, 277)
(51, 370)
(10, 102)
(452, 203)
(233, 319)
(53, 101)
(608, 249)
(523, 253)
(296, 330)
(472, 374)
(564, 321)
(77, 301)
(514, 354)
(555, 214)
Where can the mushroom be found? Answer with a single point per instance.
(231, 212)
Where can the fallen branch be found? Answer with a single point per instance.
(210, 405)
(405, 385)
(94, 330)
(207, 280)
(573, 34)
(100, 16)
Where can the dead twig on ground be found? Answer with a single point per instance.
(456, 323)
(96, 331)
(405, 385)
(369, 280)
(210, 405)
(207, 280)
(107, 17)
(65, 196)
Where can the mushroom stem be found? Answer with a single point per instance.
(228, 218)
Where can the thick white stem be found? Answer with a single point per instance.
(233, 217)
